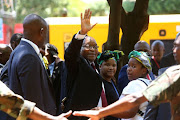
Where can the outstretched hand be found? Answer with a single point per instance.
(64, 116)
(85, 22)
(92, 114)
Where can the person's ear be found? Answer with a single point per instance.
(145, 71)
(41, 31)
(100, 66)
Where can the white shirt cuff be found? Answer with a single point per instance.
(79, 36)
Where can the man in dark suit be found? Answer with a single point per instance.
(84, 84)
(58, 73)
(14, 42)
(171, 58)
(27, 75)
(167, 60)
(157, 50)
(5, 52)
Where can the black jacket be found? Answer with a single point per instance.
(84, 85)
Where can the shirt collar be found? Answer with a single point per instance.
(32, 44)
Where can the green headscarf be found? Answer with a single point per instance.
(142, 57)
(106, 55)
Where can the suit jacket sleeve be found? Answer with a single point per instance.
(72, 55)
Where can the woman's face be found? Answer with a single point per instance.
(135, 69)
(108, 68)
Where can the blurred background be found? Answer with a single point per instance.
(12, 13)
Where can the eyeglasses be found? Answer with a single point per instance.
(91, 47)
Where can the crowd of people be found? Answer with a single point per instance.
(37, 84)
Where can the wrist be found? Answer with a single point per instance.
(100, 114)
(82, 32)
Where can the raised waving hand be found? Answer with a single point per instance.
(85, 22)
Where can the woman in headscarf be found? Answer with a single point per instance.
(139, 66)
(107, 61)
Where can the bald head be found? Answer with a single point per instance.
(5, 52)
(33, 21)
(88, 39)
(35, 29)
(158, 43)
(142, 46)
(157, 49)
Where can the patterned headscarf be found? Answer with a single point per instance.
(106, 55)
(142, 57)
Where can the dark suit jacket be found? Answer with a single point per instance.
(154, 67)
(59, 83)
(167, 60)
(28, 78)
(4, 74)
(84, 85)
(1, 67)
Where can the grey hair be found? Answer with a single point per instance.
(177, 36)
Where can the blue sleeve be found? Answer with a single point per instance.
(122, 78)
(152, 75)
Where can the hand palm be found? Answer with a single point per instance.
(85, 22)
(85, 25)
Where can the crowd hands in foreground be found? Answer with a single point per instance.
(85, 80)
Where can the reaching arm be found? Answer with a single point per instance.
(120, 106)
(37, 114)
(72, 53)
(127, 114)
(17, 107)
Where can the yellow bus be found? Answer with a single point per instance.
(62, 29)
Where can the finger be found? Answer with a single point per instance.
(76, 113)
(81, 16)
(93, 25)
(85, 14)
(90, 14)
(79, 114)
(67, 114)
(88, 11)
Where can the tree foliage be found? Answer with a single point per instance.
(164, 7)
(99, 8)
(54, 8)
(157, 6)
(48, 8)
